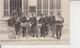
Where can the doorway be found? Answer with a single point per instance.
(32, 10)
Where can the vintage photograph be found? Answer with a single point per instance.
(34, 21)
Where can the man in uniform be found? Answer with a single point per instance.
(11, 24)
(28, 25)
(17, 25)
(52, 25)
(23, 24)
(43, 27)
(46, 25)
(59, 26)
(38, 26)
(33, 21)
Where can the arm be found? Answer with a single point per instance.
(62, 20)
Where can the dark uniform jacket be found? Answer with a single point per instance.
(42, 20)
(23, 19)
(52, 20)
(60, 22)
(33, 20)
(46, 20)
(11, 22)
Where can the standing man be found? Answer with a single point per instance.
(28, 25)
(46, 25)
(17, 25)
(59, 26)
(43, 27)
(38, 26)
(11, 24)
(52, 25)
(23, 25)
(33, 21)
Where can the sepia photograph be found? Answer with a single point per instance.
(34, 22)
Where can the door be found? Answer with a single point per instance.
(32, 10)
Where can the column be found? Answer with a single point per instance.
(36, 9)
(48, 7)
(28, 6)
(1, 8)
(25, 7)
(55, 8)
(22, 6)
(60, 5)
(8, 7)
(42, 6)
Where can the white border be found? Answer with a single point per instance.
(75, 24)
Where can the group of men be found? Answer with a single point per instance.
(35, 26)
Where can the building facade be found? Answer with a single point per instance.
(63, 8)
(28, 7)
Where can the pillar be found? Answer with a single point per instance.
(42, 6)
(48, 7)
(8, 7)
(22, 6)
(1, 8)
